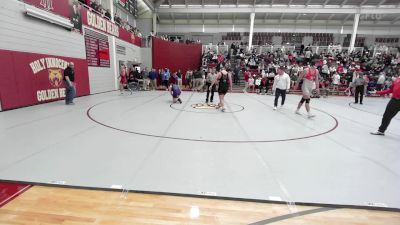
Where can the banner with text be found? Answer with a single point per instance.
(29, 78)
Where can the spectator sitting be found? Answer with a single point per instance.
(107, 14)
(251, 83)
(117, 19)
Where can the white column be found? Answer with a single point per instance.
(154, 23)
(251, 29)
(112, 10)
(115, 62)
(354, 34)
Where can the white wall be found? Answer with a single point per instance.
(103, 79)
(27, 34)
(147, 59)
(145, 26)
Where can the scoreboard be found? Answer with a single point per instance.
(129, 5)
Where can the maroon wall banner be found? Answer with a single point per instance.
(175, 56)
(129, 37)
(28, 78)
(94, 20)
(97, 22)
(60, 7)
(67, 8)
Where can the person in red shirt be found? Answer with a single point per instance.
(123, 79)
(309, 77)
(392, 108)
(247, 75)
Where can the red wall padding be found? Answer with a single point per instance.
(175, 56)
(19, 85)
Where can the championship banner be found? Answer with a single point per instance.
(80, 15)
(67, 8)
(59, 7)
(29, 79)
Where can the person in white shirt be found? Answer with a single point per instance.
(381, 81)
(251, 83)
(335, 81)
(257, 83)
(281, 86)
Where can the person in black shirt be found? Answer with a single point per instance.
(108, 14)
(69, 79)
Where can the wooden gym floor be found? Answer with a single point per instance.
(65, 206)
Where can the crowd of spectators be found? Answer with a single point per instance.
(338, 69)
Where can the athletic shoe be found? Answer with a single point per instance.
(310, 116)
(281, 107)
(274, 107)
(377, 133)
(223, 110)
(180, 101)
(297, 112)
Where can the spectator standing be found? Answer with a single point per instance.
(153, 79)
(381, 81)
(189, 78)
(179, 77)
(247, 75)
(335, 81)
(146, 80)
(69, 79)
(198, 80)
(166, 76)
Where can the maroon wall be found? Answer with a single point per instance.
(60, 7)
(20, 85)
(175, 56)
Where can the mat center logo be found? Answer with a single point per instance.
(204, 106)
(47, 4)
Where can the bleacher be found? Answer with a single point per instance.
(232, 36)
